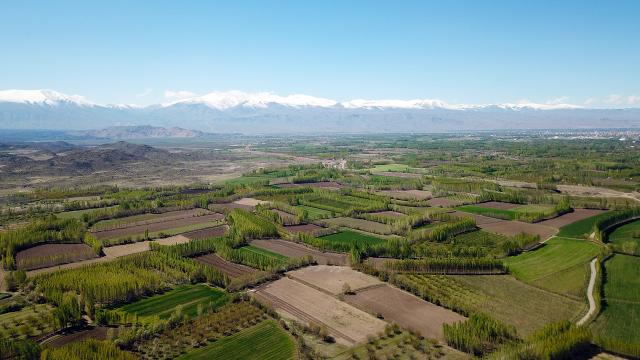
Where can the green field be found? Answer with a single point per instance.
(350, 237)
(580, 229)
(264, 341)
(533, 208)
(77, 214)
(479, 210)
(314, 213)
(390, 168)
(561, 265)
(260, 251)
(189, 296)
(620, 318)
(626, 238)
(516, 303)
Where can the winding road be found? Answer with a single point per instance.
(592, 301)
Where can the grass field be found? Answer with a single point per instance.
(560, 265)
(360, 224)
(267, 253)
(626, 238)
(620, 318)
(315, 213)
(581, 228)
(351, 237)
(30, 321)
(263, 341)
(503, 214)
(524, 306)
(189, 296)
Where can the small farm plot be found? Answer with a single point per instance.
(304, 228)
(581, 228)
(333, 279)
(296, 301)
(444, 202)
(146, 219)
(30, 321)
(561, 265)
(47, 255)
(498, 205)
(394, 215)
(404, 309)
(250, 202)
(250, 249)
(352, 237)
(190, 297)
(570, 218)
(295, 250)
(511, 228)
(266, 339)
(407, 194)
(620, 318)
(171, 227)
(206, 232)
(227, 267)
(314, 213)
(360, 224)
(626, 238)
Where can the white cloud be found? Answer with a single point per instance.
(621, 100)
(559, 100)
(178, 95)
(144, 93)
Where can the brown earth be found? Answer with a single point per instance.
(158, 226)
(570, 218)
(291, 249)
(156, 218)
(98, 333)
(405, 309)
(331, 279)
(444, 202)
(296, 301)
(47, 255)
(497, 205)
(407, 194)
(510, 228)
(227, 267)
(206, 232)
(305, 228)
(249, 202)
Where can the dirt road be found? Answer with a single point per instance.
(592, 301)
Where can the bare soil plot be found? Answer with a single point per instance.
(250, 202)
(444, 202)
(296, 301)
(98, 333)
(126, 249)
(404, 309)
(331, 279)
(570, 218)
(390, 214)
(206, 233)
(497, 205)
(145, 219)
(157, 226)
(407, 194)
(227, 267)
(173, 240)
(305, 228)
(291, 249)
(511, 228)
(47, 255)
(578, 190)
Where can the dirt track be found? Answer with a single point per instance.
(227, 267)
(404, 309)
(291, 249)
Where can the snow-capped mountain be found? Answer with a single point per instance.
(263, 112)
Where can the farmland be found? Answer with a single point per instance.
(352, 237)
(291, 249)
(192, 298)
(47, 255)
(626, 238)
(227, 267)
(560, 265)
(581, 228)
(619, 321)
(266, 339)
(360, 224)
(314, 213)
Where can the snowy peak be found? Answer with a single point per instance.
(42, 97)
(230, 99)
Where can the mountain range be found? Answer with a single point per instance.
(251, 113)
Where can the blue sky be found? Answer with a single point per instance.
(579, 52)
